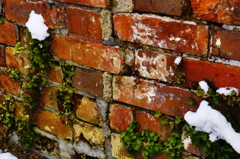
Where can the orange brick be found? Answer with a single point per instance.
(19, 10)
(225, 43)
(45, 98)
(2, 57)
(162, 32)
(92, 3)
(55, 74)
(88, 81)
(120, 117)
(153, 96)
(17, 60)
(89, 111)
(8, 85)
(8, 33)
(52, 123)
(73, 49)
(85, 22)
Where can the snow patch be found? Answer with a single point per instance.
(7, 156)
(218, 43)
(36, 26)
(213, 122)
(204, 86)
(178, 60)
(186, 142)
(227, 90)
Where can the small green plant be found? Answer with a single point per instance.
(14, 74)
(112, 4)
(18, 47)
(138, 43)
(180, 78)
(158, 114)
(191, 101)
(1, 22)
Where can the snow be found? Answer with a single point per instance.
(36, 26)
(213, 122)
(218, 42)
(227, 90)
(7, 156)
(178, 60)
(204, 86)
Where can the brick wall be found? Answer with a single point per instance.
(123, 57)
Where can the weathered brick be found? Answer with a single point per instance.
(154, 96)
(169, 7)
(225, 43)
(155, 65)
(164, 32)
(221, 75)
(17, 60)
(88, 81)
(92, 3)
(73, 49)
(55, 74)
(52, 123)
(8, 85)
(19, 110)
(217, 11)
(91, 133)
(84, 21)
(2, 56)
(88, 111)
(8, 33)
(120, 117)
(19, 10)
(45, 97)
(152, 123)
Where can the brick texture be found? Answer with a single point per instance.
(217, 11)
(162, 32)
(2, 56)
(55, 74)
(225, 43)
(86, 53)
(45, 97)
(169, 7)
(19, 10)
(92, 3)
(88, 81)
(84, 22)
(149, 95)
(8, 34)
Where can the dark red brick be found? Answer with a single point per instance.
(120, 117)
(225, 43)
(162, 32)
(169, 7)
(153, 96)
(2, 57)
(227, 12)
(73, 49)
(19, 10)
(85, 22)
(92, 3)
(88, 81)
(8, 33)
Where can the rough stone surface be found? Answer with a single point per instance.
(164, 32)
(123, 6)
(88, 81)
(107, 86)
(8, 34)
(225, 43)
(227, 12)
(169, 7)
(105, 58)
(106, 23)
(84, 22)
(17, 60)
(52, 123)
(88, 111)
(120, 117)
(153, 96)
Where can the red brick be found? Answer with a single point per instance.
(52, 123)
(45, 98)
(55, 74)
(73, 49)
(17, 60)
(19, 10)
(222, 75)
(8, 85)
(2, 57)
(89, 111)
(225, 43)
(120, 117)
(162, 32)
(155, 65)
(217, 11)
(88, 81)
(152, 123)
(169, 7)
(92, 3)
(84, 22)
(8, 33)
(153, 96)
